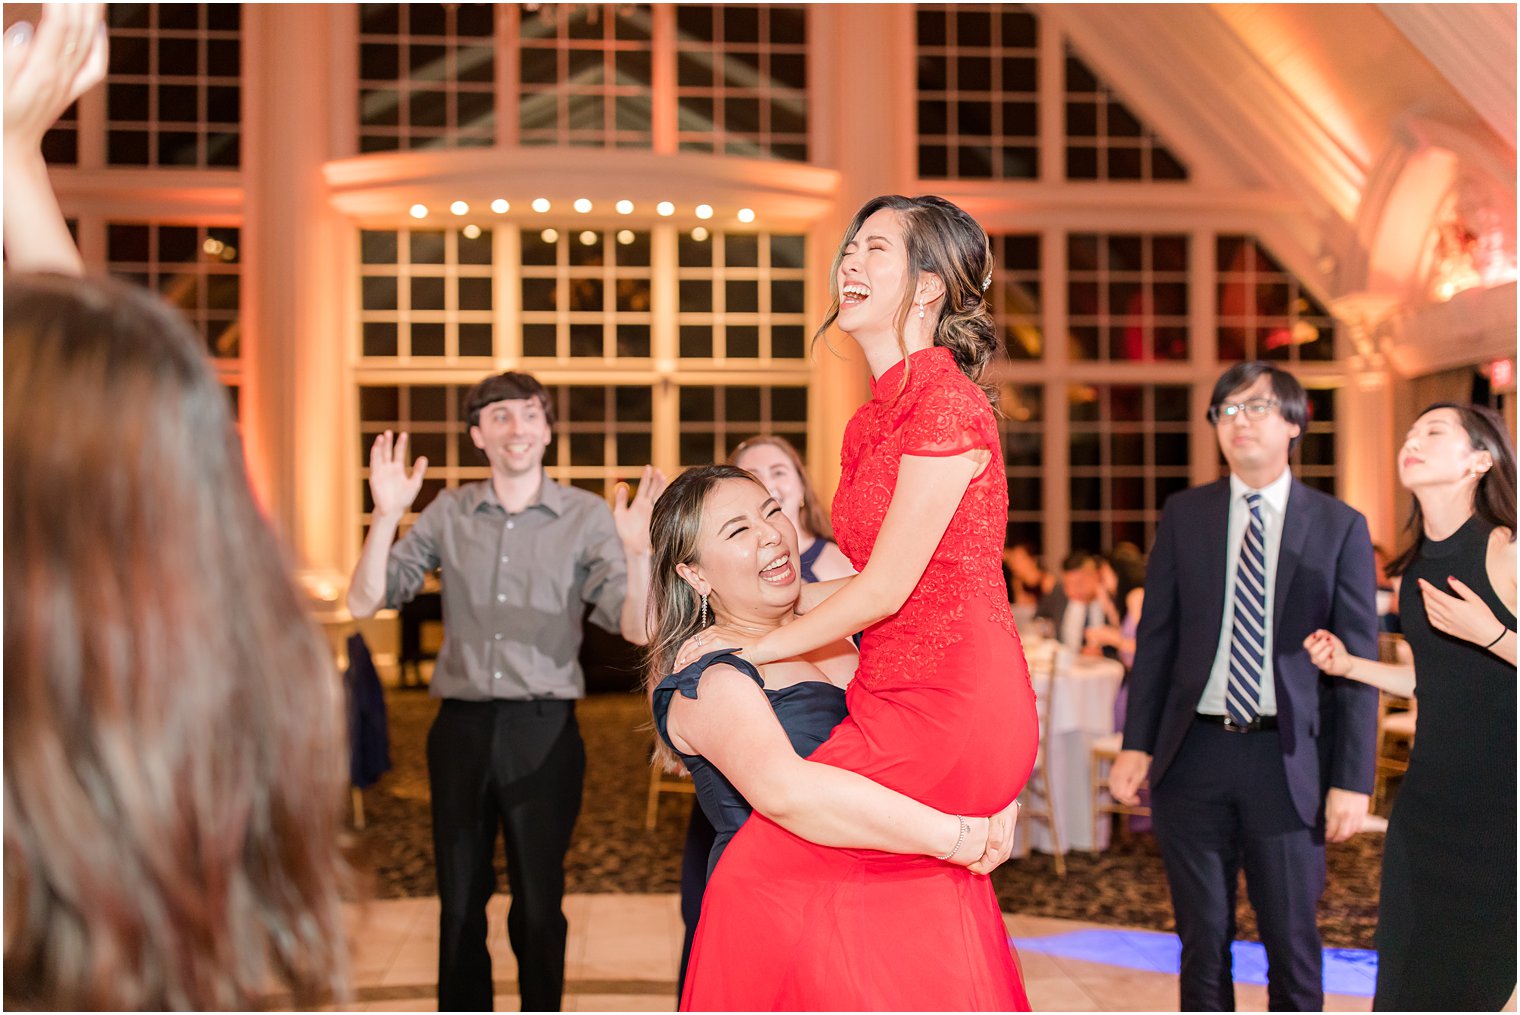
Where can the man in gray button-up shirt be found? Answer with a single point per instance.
(523, 560)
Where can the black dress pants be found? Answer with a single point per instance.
(514, 767)
(1221, 806)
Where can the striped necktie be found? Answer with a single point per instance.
(1248, 640)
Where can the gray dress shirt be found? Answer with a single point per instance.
(515, 588)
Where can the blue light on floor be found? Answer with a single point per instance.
(1347, 970)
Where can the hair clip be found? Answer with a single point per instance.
(986, 281)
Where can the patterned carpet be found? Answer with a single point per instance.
(613, 852)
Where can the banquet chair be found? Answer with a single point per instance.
(1039, 792)
(1396, 724)
(1104, 750)
(661, 781)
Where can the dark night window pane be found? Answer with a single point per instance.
(786, 297)
(933, 161)
(223, 150)
(222, 104)
(129, 55)
(696, 296)
(427, 293)
(696, 342)
(177, 57)
(586, 340)
(743, 341)
(633, 340)
(426, 246)
(127, 148)
(697, 405)
(379, 293)
(742, 405)
(538, 340)
(538, 294)
(379, 62)
(427, 339)
(176, 148)
(475, 340)
(474, 294)
(127, 102)
(127, 243)
(380, 403)
(787, 342)
(931, 28)
(379, 338)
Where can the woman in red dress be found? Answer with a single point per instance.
(941, 709)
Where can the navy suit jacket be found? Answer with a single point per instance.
(1325, 579)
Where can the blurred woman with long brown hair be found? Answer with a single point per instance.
(174, 741)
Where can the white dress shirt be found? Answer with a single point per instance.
(1079, 616)
(1274, 505)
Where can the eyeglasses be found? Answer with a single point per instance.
(1256, 408)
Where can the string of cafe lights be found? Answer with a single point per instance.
(584, 206)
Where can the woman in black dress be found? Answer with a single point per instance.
(1446, 917)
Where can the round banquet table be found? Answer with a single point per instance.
(1086, 687)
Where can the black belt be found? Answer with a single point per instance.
(543, 706)
(1257, 725)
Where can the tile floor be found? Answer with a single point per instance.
(624, 951)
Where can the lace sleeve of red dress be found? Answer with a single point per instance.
(949, 419)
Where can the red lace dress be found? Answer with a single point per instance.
(940, 710)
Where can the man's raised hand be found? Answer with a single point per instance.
(389, 485)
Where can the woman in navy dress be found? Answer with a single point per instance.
(725, 562)
(1446, 913)
(778, 466)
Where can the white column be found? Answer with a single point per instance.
(296, 419)
(862, 80)
(1366, 424)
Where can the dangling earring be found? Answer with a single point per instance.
(920, 310)
(702, 621)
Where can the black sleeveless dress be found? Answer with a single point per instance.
(1446, 917)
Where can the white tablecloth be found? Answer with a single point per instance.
(1086, 687)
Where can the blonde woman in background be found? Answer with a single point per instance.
(778, 466)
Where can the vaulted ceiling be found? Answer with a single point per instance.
(1391, 125)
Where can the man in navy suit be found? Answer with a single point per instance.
(1254, 757)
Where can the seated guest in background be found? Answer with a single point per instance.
(1122, 574)
(776, 464)
(524, 558)
(1027, 581)
(1076, 604)
(1255, 757)
(174, 730)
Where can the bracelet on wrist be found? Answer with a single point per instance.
(1502, 632)
(960, 839)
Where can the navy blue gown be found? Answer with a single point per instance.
(806, 711)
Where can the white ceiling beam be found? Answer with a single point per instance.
(1473, 47)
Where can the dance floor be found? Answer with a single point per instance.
(625, 948)
(613, 853)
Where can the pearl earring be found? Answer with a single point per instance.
(702, 622)
(920, 310)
